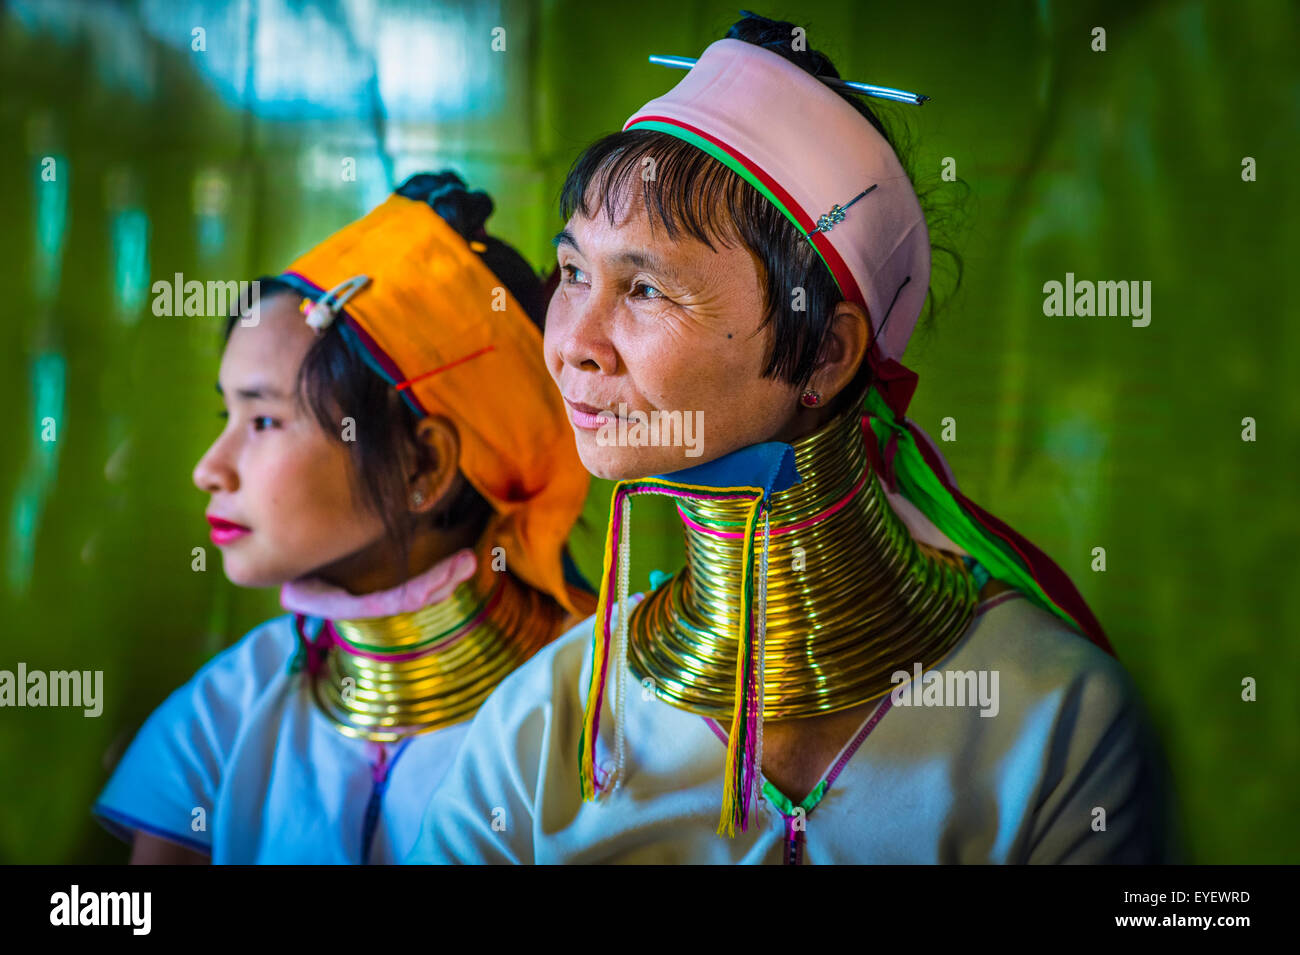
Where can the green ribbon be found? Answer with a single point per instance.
(922, 487)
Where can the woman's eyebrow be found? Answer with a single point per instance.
(634, 257)
(255, 392)
(644, 260)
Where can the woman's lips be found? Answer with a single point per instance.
(226, 532)
(587, 418)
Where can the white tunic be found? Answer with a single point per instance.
(1068, 751)
(240, 763)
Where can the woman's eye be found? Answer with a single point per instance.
(262, 422)
(650, 290)
(571, 273)
(223, 415)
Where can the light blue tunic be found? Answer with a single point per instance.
(240, 763)
(1067, 770)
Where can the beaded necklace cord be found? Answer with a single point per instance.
(795, 815)
(381, 768)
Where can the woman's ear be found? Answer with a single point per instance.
(844, 352)
(439, 464)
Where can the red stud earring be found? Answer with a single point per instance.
(810, 399)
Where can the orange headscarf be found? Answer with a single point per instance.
(442, 328)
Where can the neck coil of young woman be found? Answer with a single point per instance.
(390, 677)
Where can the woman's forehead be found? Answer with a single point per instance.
(636, 238)
(274, 347)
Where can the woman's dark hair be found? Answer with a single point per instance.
(695, 195)
(334, 380)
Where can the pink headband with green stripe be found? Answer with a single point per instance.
(820, 162)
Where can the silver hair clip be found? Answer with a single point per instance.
(845, 86)
(829, 220)
(322, 314)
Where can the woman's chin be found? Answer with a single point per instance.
(624, 463)
(243, 573)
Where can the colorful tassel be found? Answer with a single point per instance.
(600, 650)
(742, 741)
(745, 740)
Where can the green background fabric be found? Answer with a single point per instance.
(1085, 432)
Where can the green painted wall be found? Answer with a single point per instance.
(1081, 432)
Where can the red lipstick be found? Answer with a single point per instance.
(226, 532)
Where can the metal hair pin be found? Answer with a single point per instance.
(829, 220)
(846, 86)
(321, 314)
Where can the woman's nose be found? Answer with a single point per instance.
(584, 335)
(214, 473)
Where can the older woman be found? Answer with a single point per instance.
(857, 664)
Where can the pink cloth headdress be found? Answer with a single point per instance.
(826, 168)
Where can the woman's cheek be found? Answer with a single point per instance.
(293, 487)
(689, 382)
(661, 369)
(322, 494)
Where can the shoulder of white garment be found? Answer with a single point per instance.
(177, 760)
(518, 743)
(1097, 759)
(1069, 735)
(237, 675)
(223, 689)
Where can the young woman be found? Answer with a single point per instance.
(394, 459)
(857, 664)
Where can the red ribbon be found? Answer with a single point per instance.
(894, 380)
(314, 651)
